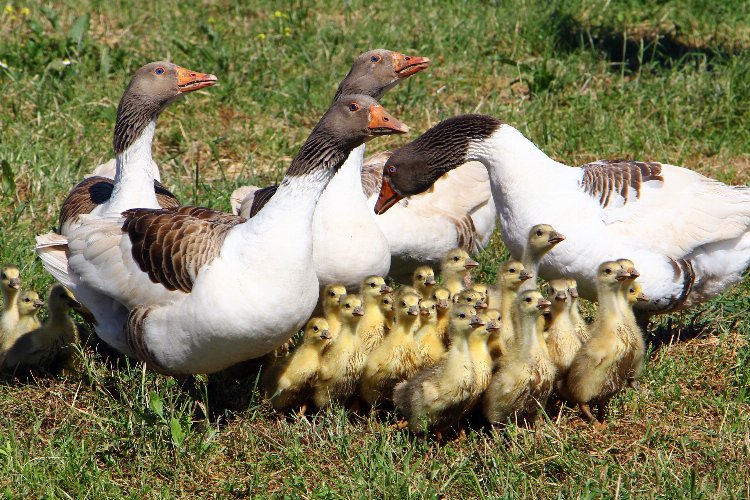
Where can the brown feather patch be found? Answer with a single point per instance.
(603, 178)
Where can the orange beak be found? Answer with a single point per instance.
(188, 80)
(382, 123)
(405, 66)
(387, 197)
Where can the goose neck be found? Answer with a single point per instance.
(134, 174)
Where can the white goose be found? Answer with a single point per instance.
(688, 234)
(202, 289)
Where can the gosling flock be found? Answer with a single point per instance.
(192, 290)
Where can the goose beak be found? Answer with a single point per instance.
(525, 275)
(15, 283)
(325, 335)
(622, 275)
(74, 304)
(413, 311)
(405, 66)
(574, 292)
(429, 281)
(493, 326)
(384, 289)
(387, 197)
(358, 311)
(641, 297)
(561, 296)
(481, 304)
(555, 238)
(633, 273)
(543, 304)
(443, 304)
(470, 263)
(188, 80)
(38, 303)
(382, 123)
(424, 312)
(476, 321)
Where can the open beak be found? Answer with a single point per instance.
(387, 197)
(382, 123)
(385, 289)
(525, 275)
(188, 80)
(470, 263)
(15, 283)
(405, 66)
(325, 335)
(481, 304)
(38, 303)
(555, 238)
(476, 321)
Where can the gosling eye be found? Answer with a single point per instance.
(462, 315)
(353, 107)
(392, 170)
(332, 294)
(419, 276)
(455, 259)
(159, 71)
(608, 271)
(315, 328)
(512, 270)
(528, 299)
(27, 299)
(375, 58)
(539, 232)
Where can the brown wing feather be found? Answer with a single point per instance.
(172, 245)
(603, 178)
(95, 190)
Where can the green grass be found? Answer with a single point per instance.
(662, 80)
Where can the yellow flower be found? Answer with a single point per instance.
(9, 9)
(261, 36)
(287, 31)
(279, 14)
(25, 11)
(211, 20)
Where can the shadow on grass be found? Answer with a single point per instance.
(675, 329)
(634, 49)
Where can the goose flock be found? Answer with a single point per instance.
(190, 290)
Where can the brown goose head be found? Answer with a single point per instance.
(415, 167)
(377, 71)
(152, 89)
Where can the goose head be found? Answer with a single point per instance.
(493, 314)
(350, 308)
(442, 298)
(461, 318)
(428, 311)
(317, 331)
(377, 71)
(610, 275)
(629, 267)
(573, 289)
(386, 305)
(482, 289)
(408, 307)
(543, 238)
(512, 273)
(374, 287)
(331, 296)
(531, 303)
(470, 297)
(28, 303)
(424, 279)
(635, 293)
(10, 277)
(61, 300)
(153, 87)
(457, 261)
(414, 167)
(558, 294)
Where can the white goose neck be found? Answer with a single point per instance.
(134, 175)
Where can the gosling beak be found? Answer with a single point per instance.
(641, 297)
(424, 312)
(561, 296)
(481, 304)
(573, 292)
(188, 80)
(555, 238)
(387, 197)
(325, 335)
(470, 263)
(405, 66)
(38, 303)
(429, 281)
(525, 275)
(358, 311)
(543, 304)
(622, 275)
(385, 289)
(493, 326)
(382, 123)
(476, 321)
(633, 273)
(74, 304)
(443, 304)
(413, 311)
(15, 283)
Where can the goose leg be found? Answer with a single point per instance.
(586, 410)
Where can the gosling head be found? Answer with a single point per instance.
(482, 289)
(423, 279)
(408, 307)
(350, 308)
(629, 268)
(61, 300)
(512, 273)
(428, 311)
(543, 238)
(317, 331)
(10, 277)
(471, 297)
(493, 314)
(531, 303)
(461, 317)
(386, 305)
(558, 294)
(28, 303)
(635, 293)
(610, 275)
(331, 296)
(442, 298)
(573, 289)
(374, 287)
(457, 261)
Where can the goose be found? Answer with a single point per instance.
(136, 180)
(520, 386)
(687, 232)
(10, 282)
(471, 297)
(435, 398)
(342, 364)
(481, 359)
(331, 300)
(288, 381)
(386, 306)
(456, 268)
(27, 306)
(51, 344)
(582, 328)
(605, 363)
(427, 337)
(374, 324)
(563, 342)
(442, 298)
(348, 246)
(196, 285)
(423, 281)
(542, 239)
(510, 276)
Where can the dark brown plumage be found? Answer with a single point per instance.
(602, 178)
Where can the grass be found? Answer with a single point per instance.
(583, 79)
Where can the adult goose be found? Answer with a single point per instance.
(136, 181)
(688, 234)
(202, 290)
(348, 245)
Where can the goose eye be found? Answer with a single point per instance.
(159, 71)
(419, 276)
(372, 285)
(353, 107)
(608, 271)
(375, 59)
(538, 232)
(455, 259)
(348, 306)
(392, 170)
(403, 304)
(332, 294)
(315, 328)
(27, 299)
(511, 270)
(528, 299)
